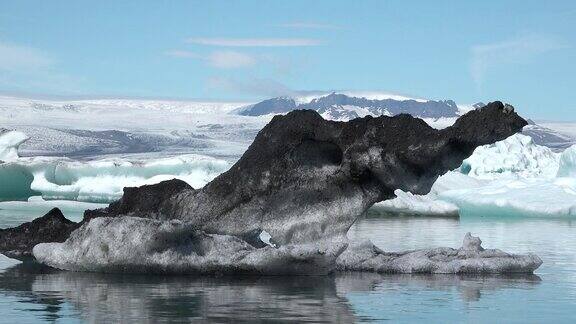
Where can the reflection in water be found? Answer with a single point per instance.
(138, 298)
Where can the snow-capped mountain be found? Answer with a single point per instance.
(340, 106)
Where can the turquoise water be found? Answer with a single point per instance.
(30, 293)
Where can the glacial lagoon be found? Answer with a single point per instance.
(29, 292)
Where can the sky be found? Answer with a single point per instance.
(521, 52)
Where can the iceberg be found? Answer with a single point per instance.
(9, 143)
(99, 181)
(513, 177)
(470, 258)
(567, 165)
(287, 204)
(516, 156)
(410, 204)
(140, 245)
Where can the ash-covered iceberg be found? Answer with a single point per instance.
(304, 181)
(470, 258)
(140, 245)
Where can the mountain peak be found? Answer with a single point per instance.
(346, 106)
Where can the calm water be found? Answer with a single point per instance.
(30, 293)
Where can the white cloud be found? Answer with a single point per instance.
(218, 59)
(488, 57)
(15, 57)
(230, 60)
(255, 42)
(309, 25)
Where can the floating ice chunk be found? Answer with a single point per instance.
(517, 155)
(408, 203)
(9, 143)
(470, 258)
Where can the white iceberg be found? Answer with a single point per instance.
(514, 177)
(516, 156)
(567, 165)
(411, 204)
(9, 143)
(100, 181)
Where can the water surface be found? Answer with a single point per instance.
(32, 293)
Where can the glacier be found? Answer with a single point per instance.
(513, 177)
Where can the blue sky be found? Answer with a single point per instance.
(522, 52)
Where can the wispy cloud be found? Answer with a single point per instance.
(16, 58)
(308, 25)
(255, 42)
(219, 59)
(487, 57)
